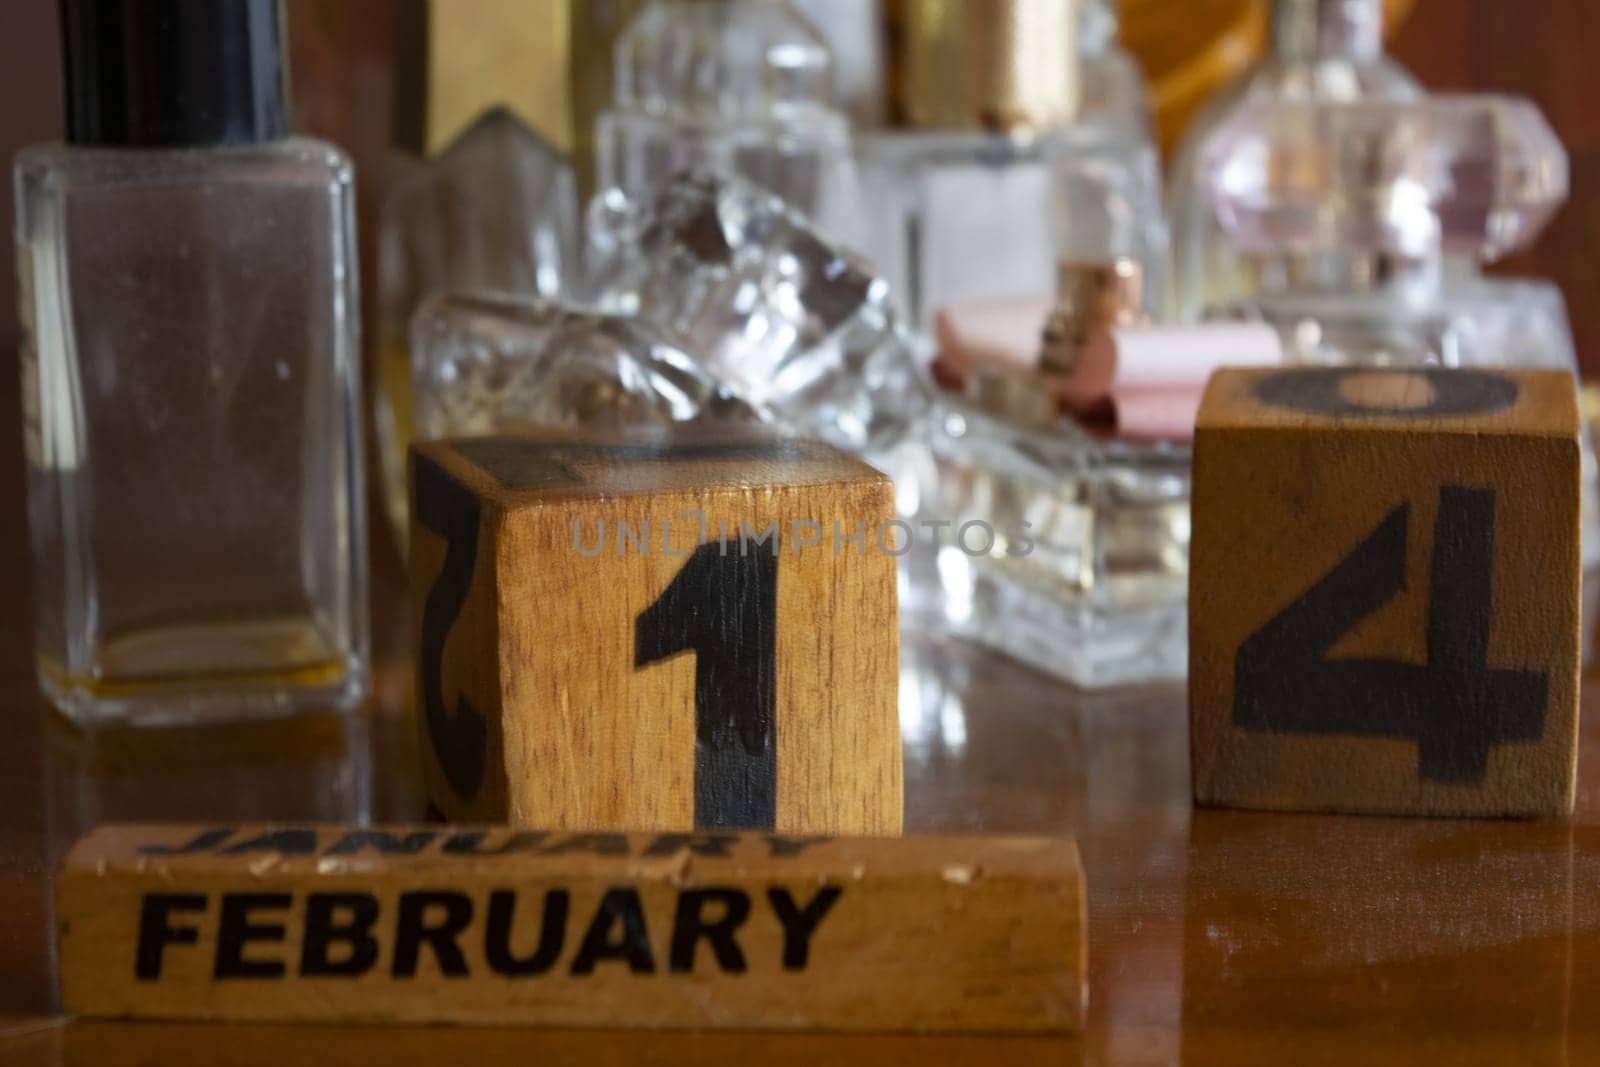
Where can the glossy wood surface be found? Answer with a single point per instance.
(1215, 937)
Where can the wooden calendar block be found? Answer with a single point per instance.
(458, 924)
(1384, 582)
(657, 633)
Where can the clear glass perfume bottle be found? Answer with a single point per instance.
(1088, 573)
(1087, 576)
(751, 287)
(190, 378)
(496, 210)
(491, 363)
(1322, 51)
(740, 86)
(1384, 212)
(990, 178)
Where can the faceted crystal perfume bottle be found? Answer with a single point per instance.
(990, 179)
(190, 370)
(737, 86)
(1321, 51)
(496, 210)
(715, 300)
(1372, 220)
(488, 364)
(793, 324)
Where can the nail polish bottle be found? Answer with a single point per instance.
(989, 176)
(190, 378)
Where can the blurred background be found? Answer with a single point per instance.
(358, 68)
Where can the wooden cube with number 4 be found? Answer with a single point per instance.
(1384, 585)
(657, 633)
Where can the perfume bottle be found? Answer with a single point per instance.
(739, 86)
(1066, 550)
(1322, 51)
(793, 323)
(492, 363)
(190, 378)
(989, 178)
(496, 210)
(1369, 224)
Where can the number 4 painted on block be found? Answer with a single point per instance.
(1456, 708)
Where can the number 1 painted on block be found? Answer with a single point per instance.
(724, 608)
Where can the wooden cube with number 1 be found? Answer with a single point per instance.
(1384, 586)
(660, 633)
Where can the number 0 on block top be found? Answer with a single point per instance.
(656, 633)
(1384, 584)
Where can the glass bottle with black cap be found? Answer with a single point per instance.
(190, 377)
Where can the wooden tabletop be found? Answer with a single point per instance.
(1214, 937)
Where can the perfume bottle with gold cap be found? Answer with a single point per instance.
(1322, 51)
(988, 177)
(739, 87)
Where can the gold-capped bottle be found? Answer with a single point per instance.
(992, 174)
